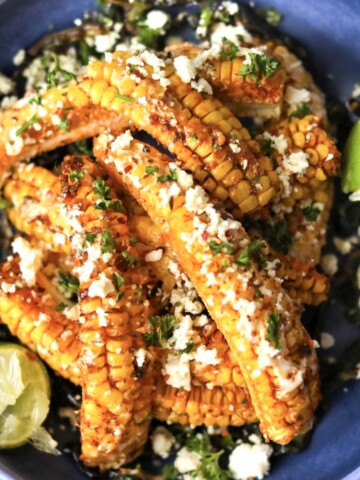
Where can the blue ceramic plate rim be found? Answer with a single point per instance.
(327, 36)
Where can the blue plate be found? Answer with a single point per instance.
(329, 29)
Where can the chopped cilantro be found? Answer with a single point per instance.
(133, 241)
(189, 348)
(64, 124)
(82, 147)
(220, 247)
(194, 137)
(271, 15)
(205, 18)
(267, 147)
(108, 242)
(90, 237)
(209, 464)
(151, 169)
(4, 204)
(125, 98)
(171, 177)
(35, 100)
(118, 280)
(61, 307)
(148, 36)
(102, 190)
(278, 236)
(259, 66)
(76, 175)
(169, 472)
(131, 260)
(229, 50)
(253, 250)
(302, 110)
(68, 282)
(56, 71)
(34, 119)
(162, 328)
(273, 329)
(311, 213)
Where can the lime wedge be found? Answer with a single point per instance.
(24, 394)
(351, 159)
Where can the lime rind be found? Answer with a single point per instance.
(351, 161)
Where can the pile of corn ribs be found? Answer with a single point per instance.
(152, 279)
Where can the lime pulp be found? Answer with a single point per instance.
(351, 159)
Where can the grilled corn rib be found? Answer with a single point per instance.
(28, 129)
(202, 406)
(244, 95)
(30, 314)
(262, 328)
(113, 307)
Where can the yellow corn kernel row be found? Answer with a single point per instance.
(28, 129)
(36, 211)
(203, 134)
(202, 406)
(242, 94)
(260, 323)
(116, 403)
(31, 316)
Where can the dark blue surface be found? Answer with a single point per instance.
(331, 32)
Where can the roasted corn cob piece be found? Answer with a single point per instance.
(117, 390)
(36, 211)
(206, 138)
(29, 128)
(259, 321)
(202, 406)
(30, 313)
(244, 95)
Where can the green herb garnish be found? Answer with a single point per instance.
(4, 204)
(61, 307)
(271, 15)
(76, 175)
(131, 260)
(267, 147)
(118, 280)
(189, 348)
(302, 110)
(259, 66)
(151, 169)
(68, 282)
(64, 124)
(220, 247)
(209, 466)
(125, 98)
(65, 74)
(278, 236)
(34, 119)
(253, 250)
(133, 241)
(35, 100)
(102, 190)
(171, 177)
(273, 329)
(108, 242)
(162, 328)
(205, 18)
(90, 237)
(229, 50)
(311, 213)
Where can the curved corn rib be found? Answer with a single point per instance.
(28, 129)
(30, 314)
(243, 95)
(262, 327)
(116, 402)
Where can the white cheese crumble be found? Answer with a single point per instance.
(343, 246)
(30, 259)
(176, 371)
(6, 85)
(140, 356)
(187, 461)
(355, 196)
(122, 141)
(101, 287)
(156, 19)
(326, 340)
(154, 255)
(329, 263)
(15, 144)
(19, 57)
(356, 90)
(8, 287)
(280, 143)
(106, 42)
(185, 68)
(229, 32)
(294, 96)
(232, 8)
(102, 317)
(206, 356)
(162, 441)
(196, 199)
(250, 461)
(296, 162)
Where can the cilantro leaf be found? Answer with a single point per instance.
(220, 247)
(69, 282)
(253, 250)
(118, 280)
(131, 260)
(34, 119)
(171, 177)
(162, 328)
(4, 204)
(302, 110)
(278, 236)
(61, 307)
(273, 329)
(151, 169)
(311, 213)
(108, 242)
(271, 15)
(90, 237)
(261, 65)
(76, 175)
(229, 50)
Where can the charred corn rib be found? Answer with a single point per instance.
(260, 323)
(30, 313)
(36, 211)
(202, 406)
(205, 137)
(244, 96)
(28, 129)
(113, 306)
